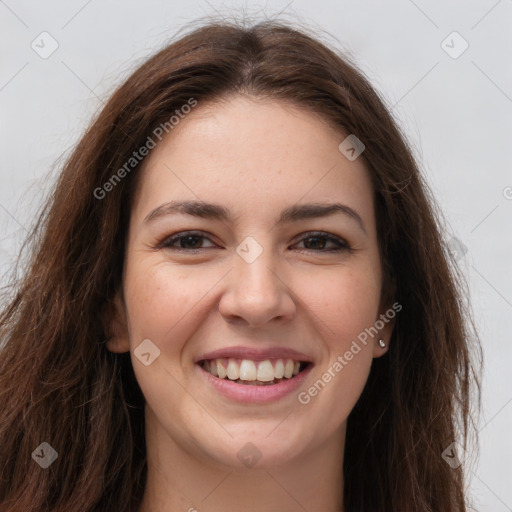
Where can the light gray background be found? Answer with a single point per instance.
(457, 113)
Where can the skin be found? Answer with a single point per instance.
(254, 157)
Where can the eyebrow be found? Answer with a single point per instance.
(217, 212)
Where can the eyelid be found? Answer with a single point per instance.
(342, 243)
(166, 242)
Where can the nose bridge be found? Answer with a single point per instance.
(255, 280)
(255, 291)
(256, 277)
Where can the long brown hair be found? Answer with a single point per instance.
(58, 382)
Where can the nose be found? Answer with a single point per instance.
(256, 294)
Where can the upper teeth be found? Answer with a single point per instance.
(246, 369)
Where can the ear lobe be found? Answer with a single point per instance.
(384, 334)
(116, 326)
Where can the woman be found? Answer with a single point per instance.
(239, 299)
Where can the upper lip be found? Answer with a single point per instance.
(255, 354)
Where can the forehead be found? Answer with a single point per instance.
(249, 154)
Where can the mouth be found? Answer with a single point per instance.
(248, 372)
(254, 375)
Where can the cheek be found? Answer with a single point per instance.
(159, 300)
(162, 303)
(344, 302)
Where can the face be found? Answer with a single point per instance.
(281, 263)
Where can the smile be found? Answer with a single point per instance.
(255, 373)
(253, 381)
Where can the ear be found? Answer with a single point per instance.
(385, 323)
(116, 326)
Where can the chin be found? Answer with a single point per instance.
(258, 448)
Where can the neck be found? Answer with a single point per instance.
(178, 482)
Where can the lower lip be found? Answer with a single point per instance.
(255, 394)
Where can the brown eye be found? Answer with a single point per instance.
(188, 241)
(319, 241)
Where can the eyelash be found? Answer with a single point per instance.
(342, 244)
